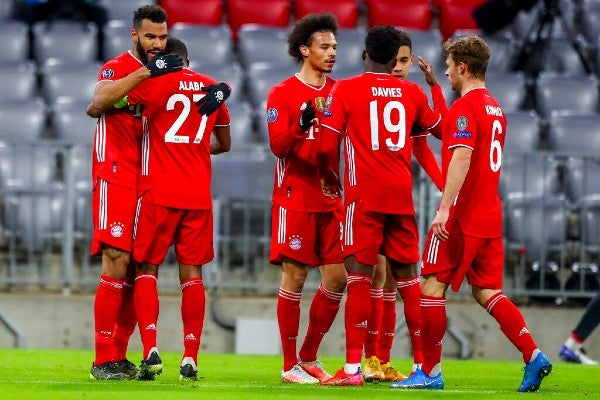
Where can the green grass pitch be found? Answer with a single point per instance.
(64, 375)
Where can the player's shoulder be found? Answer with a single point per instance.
(120, 65)
(285, 86)
(187, 73)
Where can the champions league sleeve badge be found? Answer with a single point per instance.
(272, 115)
(108, 73)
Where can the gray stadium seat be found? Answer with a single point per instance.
(49, 41)
(561, 56)
(70, 122)
(261, 77)
(590, 227)
(529, 176)
(560, 92)
(416, 75)
(428, 44)
(123, 9)
(242, 125)
(14, 46)
(524, 132)
(262, 44)
(509, 89)
(23, 121)
(581, 178)
(117, 39)
(574, 134)
(231, 73)
(61, 78)
(350, 45)
(590, 20)
(207, 45)
(19, 80)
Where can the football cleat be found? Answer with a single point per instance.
(420, 380)
(188, 373)
(341, 378)
(391, 374)
(128, 368)
(150, 367)
(576, 356)
(315, 369)
(535, 371)
(107, 371)
(372, 370)
(298, 375)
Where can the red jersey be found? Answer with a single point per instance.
(116, 153)
(176, 164)
(375, 112)
(476, 121)
(297, 184)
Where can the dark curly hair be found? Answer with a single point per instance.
(382, 43)
(154, 13)
(304, 28)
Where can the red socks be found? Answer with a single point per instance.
(145, 297)
(193, 304)
(106, 305)
(357, 313)
(410, 291)
(374, 322)
(126, 321)
(512, 324)
(288, 317)
(388, 327)
(324, 308)
(433, 312)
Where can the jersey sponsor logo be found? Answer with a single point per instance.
(108, 73)
(272, 115)
(462, 122)
(295, 242)
(116, 229)
(320, 103)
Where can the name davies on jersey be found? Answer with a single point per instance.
(386, 91)
(190, 85)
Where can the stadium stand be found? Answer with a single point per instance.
(211, 45)
(455, 15)
(563, 92)
(349, 47)
(23, 120)
(574, 133)
(346, 11)
(524, 132)
(264, 44)
(122, 10)
(509, 89)
(117, 39)
(19, 80)
(14, 46)
(274, 13)
(198, 12)
(49, 41)
(405, 14)
(64, 78)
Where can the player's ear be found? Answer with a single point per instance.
(304, 50)
(364, 55)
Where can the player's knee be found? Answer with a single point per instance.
(115, 262)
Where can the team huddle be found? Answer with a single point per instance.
(158, 125)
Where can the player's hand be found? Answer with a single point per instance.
(438, 226)
(427, 71)
(331, 185)
(215, 96)
(307, 116)
(162, 64)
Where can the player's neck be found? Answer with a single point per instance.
(311, 76)
(471, 84)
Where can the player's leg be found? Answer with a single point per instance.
(572, 350)
(372, 367)
(126, 322)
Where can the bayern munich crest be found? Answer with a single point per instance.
(116, 229)
(295, 242)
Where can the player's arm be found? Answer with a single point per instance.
(457, 172)
(285, 133)
(427, 160)
(220, 140)
(437, 95)
(107, 93)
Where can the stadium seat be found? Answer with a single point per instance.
(210, 44)
(117, 39)
(590, 20)
(264, 44)
(122, 10)
(562, 92)
(61, 78)
(19, 80)
(350, 45)
(416, 75)
(275, 13)
(590, 227)
(49, 41)
(70, 123)
(529, 176)
(509, 89)
(346, 11)
(14, 46)
(581, 178)
(428, 44)
(230, 73)
(561, 56)
(23, 121)
(574, 133)
(523, 132)
(261, 78)
(457, 14)
(199, 12)
(242, 125)
(405, 14)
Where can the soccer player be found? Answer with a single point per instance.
(306, 223)
(175, 206)
(572, 350)
(465, 238)
(381, 324)
(374, 112)
(116, 160)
